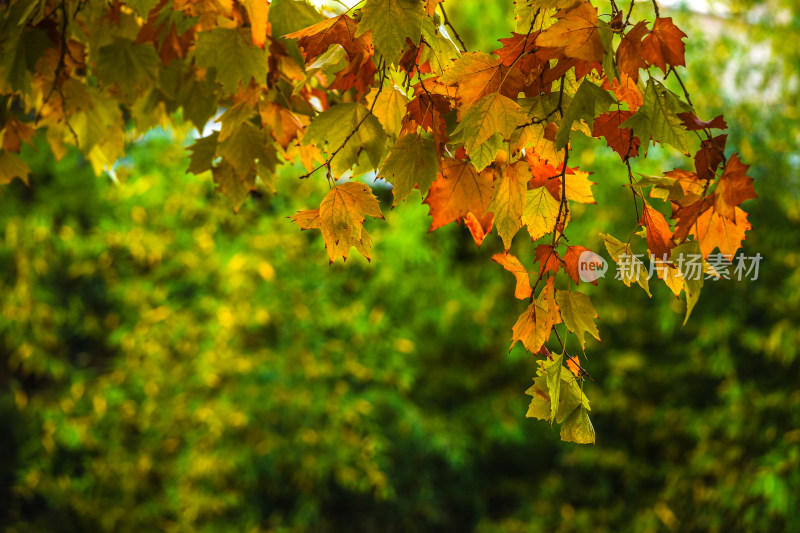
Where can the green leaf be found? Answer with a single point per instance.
(133, 67)
(19, 52)
(365, 148)
(692, 277)
(391, 22)
(483, 155)
(232, 56)
(204, 150)
(589, 102)
(412, 161)
(234, 186)
(552, 374)
(141, 7)
(244, 147)
(630, 268)
(540, 403)
(658, 118)
(578, 428)
(287, 16)
(12, 166)
(491, 115)
(508, 203)
(578, 314)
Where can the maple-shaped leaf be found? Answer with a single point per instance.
(217, 48)
(578, 187)
(629, 53)
(626, 90)
(713, 230)
(14, 132)
(631, 268)
(572, 262)
(578, 314)
(589, 102)
(12, 166)
(540, 213)
(131, 66)
(513, 265)
(458, 190)
(621, 140)
(658, 119)
(284, 125)
(508, 201)
(479, 228)
(391, 23)
(286, 16)
(733, 188)
(692, 123)
(710, 156)
(692, 282)
(578, 427)
(389, 106)
(338, 127)
(492, 114)
(548, 259)
(341, 217)
(477, 74)
(533, 326)
(663, 45)
(204, 150)
(576, 33)
(659, 234)
(411, 163)
(234, 185)
(315, 41)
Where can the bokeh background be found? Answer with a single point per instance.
(166, 365)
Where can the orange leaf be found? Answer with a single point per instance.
(629, 53)
(659, 235)
(458, 189)
(479, 228)
(513, 265)
(663, 45)
(734, 187)
(575, 34)
(571, 259)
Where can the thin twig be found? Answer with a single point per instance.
(449, 25)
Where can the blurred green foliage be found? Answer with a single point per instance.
(170, 366)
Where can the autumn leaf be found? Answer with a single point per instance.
(659, 234)
(578, 428)
(658, 118)
(363, 148)
(341, 217)
(478, 74)
(508, 201)
(391, 23)
(576, 33)
(479, 228)
(411, 163)
(540, 213)
(621, 140)
(571, 262)
(589, 102)
(548, 259)
(733, 188)
(513, 265)
(692, 123)
(534, 325)
(630, 267)
(458, 190)
(578, 315)
(12, 166)
(215, 50)
(629, 53)
(492, 114)
(663, 45)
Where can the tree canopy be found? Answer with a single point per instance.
(388, 89)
